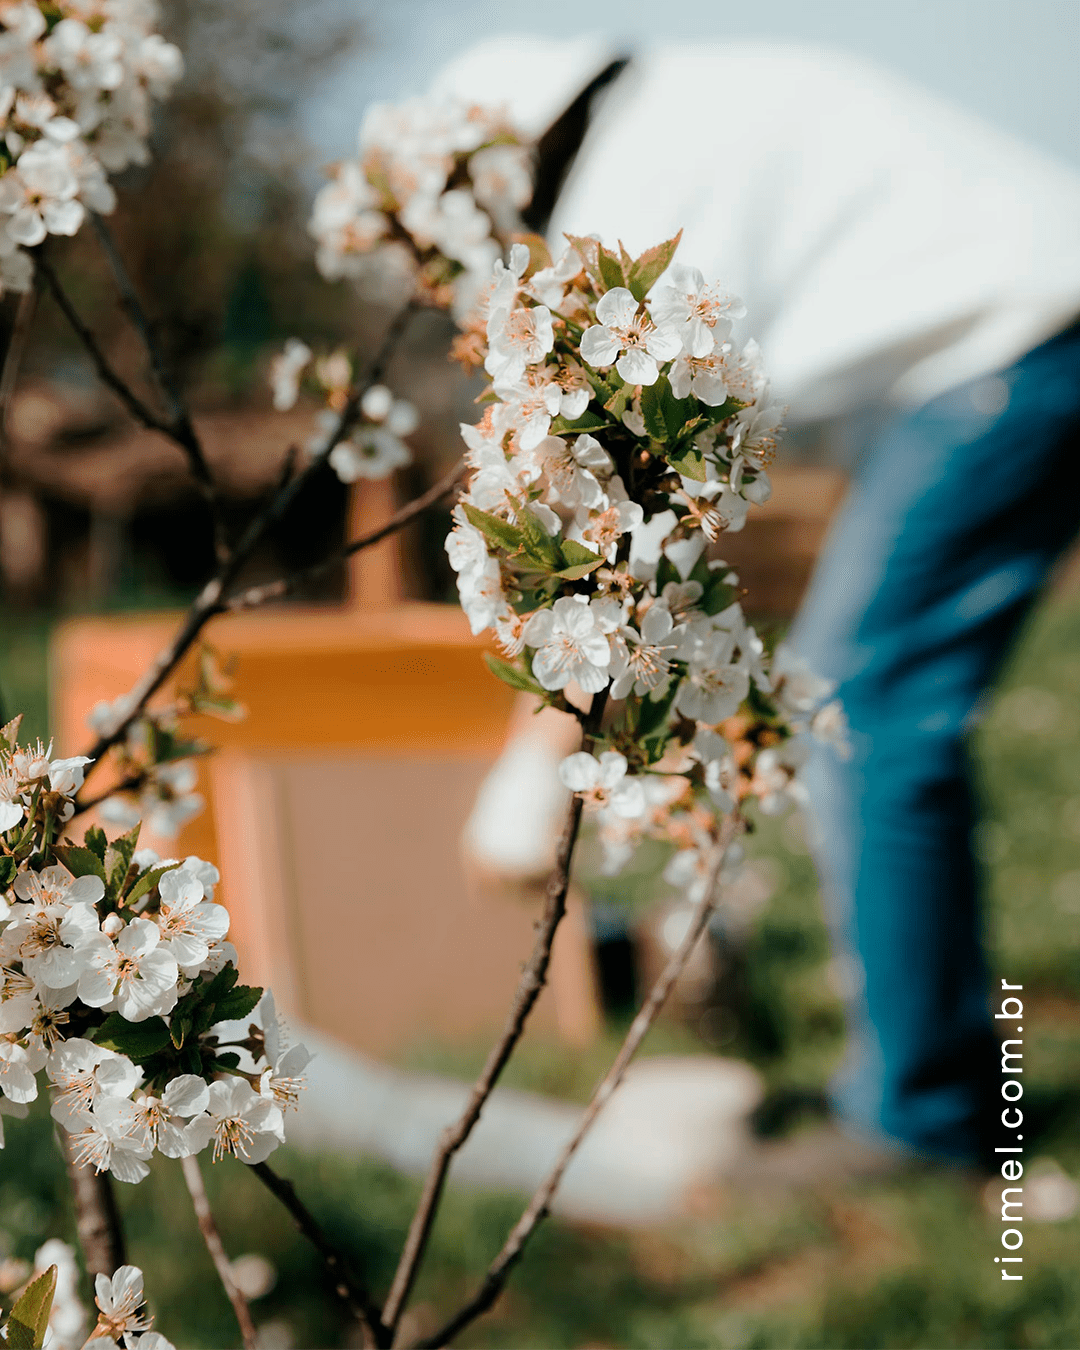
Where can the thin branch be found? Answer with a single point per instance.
(374, 374)
(514, 1247)
(97, 1219)
(530, 986)
(352, 1294)
(274, 590)
(210, 602)
(16, 349)
(106, 374)
(128, 784)
(179, 426)
(205, 1215)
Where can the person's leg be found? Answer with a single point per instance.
(946, 538)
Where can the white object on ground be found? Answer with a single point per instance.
(675, 1123)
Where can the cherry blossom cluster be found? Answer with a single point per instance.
(77, 84)
(117, 980)
(374, 446)
(155, 758)
(625, 430)
(428, 203)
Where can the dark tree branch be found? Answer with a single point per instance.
(210, 601)
(97, 1219)
(530, 986)
(106, 374)
(9, 375)
(513, 1249)
(351, 1293)
(205, 1215)
(179, 427)
(274, 590)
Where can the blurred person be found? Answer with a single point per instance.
(905, 266)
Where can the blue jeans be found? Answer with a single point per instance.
(946, 539)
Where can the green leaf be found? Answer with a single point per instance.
(118, 858)
(147, 882)
(578, 561)
(8, 868)
(718, 595)
(538, 545)
(678, 412)
(611, 272)
(539, 253)
(181, 1022)
(29, 1319)
(9, 733)
(511, 675)
(588, 421)
(652, 411)
(690, 463)
(665, 571)
(496, 529)
(619, 401)
(725, 410)
(649, 267)
(219, 986)
(588, 250)
(653, 713)
(96, 841)
(137, 1040)
(80, 862)
(237, 1003)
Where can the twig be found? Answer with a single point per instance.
(209, 602)
(106, 374)
(356, 1299)
(273, 590)
(374, 375)
(128, 784)
(530, 986)
(537, 1210)
(97, 1219)
(205, 1215)
(179, 426)
(16, 348)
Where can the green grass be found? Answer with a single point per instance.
(878, 1264)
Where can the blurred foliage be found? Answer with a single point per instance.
(900, 1262)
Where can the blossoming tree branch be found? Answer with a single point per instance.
(623, 431)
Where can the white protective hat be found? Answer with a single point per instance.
(534, 78)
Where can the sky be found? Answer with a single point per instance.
(1014, 62)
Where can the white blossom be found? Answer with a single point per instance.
(107, 1142)
(714, 686)
(370, 452)
(623, 327)
(163, 1123)
(517, 338)
(189, 924)
(571, 467)
(240, 1122)
(19, 1065)
(81, 1071)
(651, 652)
(570, 646)
(285, 371)
(136, 975)
(701, 315)
(603, 782)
